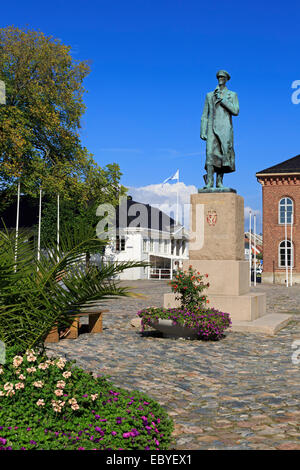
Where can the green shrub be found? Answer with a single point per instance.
(49, 403)
(188, 287)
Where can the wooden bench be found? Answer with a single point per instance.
(94, 325)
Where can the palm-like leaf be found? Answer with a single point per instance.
(32, 300)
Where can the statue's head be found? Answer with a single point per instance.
(223, 77)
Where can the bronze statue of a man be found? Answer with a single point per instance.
(216, 128)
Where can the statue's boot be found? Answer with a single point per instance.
(209, 178)
(219, 181)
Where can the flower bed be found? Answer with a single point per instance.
(51, 404)
(208, 324)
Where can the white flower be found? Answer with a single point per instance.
(94, 397)
(43, 365)
(17, 361)
(31, 358)
(59, 392)
(61, 363)
(1, 370)
(8, 386)
(61, 384)
(38, 384)
(31, 369)
(19, 385)
(66, 374)
(10, 393)
(40, 402)
(56, 406)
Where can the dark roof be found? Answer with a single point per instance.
(292, 165)
(143, 215)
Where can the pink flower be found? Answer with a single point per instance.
(19, 386)
(61, 384)
(38, 384)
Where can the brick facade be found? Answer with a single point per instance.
(274, 188)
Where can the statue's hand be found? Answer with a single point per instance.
(203, 136)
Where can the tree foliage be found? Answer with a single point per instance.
(40, 121)
(39, 125)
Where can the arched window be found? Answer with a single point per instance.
(286, 209)
(285, 254)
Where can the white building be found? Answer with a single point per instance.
(148, 235)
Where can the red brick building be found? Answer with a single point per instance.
(281, 216)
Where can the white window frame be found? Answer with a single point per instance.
(286, 204)
(145, 245)
(120, 243)
(291, 248)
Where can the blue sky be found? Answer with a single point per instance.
(152, 63)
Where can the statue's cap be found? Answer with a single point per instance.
(223, 73)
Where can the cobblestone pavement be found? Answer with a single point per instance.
(241, 392)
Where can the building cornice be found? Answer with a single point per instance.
(279, 179)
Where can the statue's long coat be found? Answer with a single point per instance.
(216, 124)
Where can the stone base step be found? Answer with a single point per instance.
(269, 324)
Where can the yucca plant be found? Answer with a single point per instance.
(32, 300)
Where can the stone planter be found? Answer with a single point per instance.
(169, 330)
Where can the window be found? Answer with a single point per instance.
(151, 245)
(183, 247)
(161, 245)
(166, 246)
(283, 254)
(285, 210)
(145, 245)
(120, 243)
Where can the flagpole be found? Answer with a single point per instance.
(285, 249)
(250, 251)
(292, 251)
(254, 228)
(17, 225)
(39, 228)
(58, 227)
(177, 202)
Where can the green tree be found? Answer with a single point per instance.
(39, 123)
(39, 127)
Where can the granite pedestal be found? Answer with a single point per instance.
(216, 248)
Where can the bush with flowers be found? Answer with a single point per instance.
(188, 287)
(208, 323)
(49, 403)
